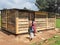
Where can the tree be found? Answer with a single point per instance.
(41, 4)
(47, 5)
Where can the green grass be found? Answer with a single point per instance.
(58, 23)
(55, 40)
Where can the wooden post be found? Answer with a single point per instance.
(47, 20)
(16, 18)
(6, 20)
(1, 19)
(55, 22)
(30, 17)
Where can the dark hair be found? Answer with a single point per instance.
(32, 23)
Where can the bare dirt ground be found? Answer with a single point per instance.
(10, 39)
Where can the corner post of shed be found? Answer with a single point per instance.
(1, 18)
(6, 19)
(16, 18)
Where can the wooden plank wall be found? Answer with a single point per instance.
(22, 22)
(18, 22)
(45, 20)
(8, 20)
(41, 20)
(11, 21)
(51, 20)
(4, 19)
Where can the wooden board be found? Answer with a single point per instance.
(41, 13)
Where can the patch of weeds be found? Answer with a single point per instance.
(38, 43)
(55, 39)
(58, 23)
(57, 42)
(50, 39)
(33, 44)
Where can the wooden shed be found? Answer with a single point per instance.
(17, 20)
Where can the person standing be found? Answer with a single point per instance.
(34, 27)
(31, 31)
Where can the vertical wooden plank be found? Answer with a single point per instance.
(47, 21)
(6, 19)
(16, 18)
(55, 21)
(16, 25)
(1, 19)
(30, 16)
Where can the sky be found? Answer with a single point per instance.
(20, 4)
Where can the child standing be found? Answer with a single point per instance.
(31, 31)
(34, 27)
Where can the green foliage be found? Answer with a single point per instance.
(58, 23)
(42, 3)
(57, 40)
(46, 4)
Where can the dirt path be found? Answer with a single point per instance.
(10, 39)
